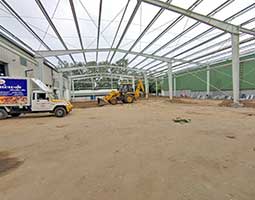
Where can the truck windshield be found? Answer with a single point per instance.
(52, 96)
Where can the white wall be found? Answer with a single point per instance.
(11, 55)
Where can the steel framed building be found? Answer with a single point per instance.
(156, 38)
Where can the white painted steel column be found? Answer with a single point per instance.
(69, 88)
(39, 70)
(111, 82)
(146, 86)
(61, 85)
(208, 80)
(73, 89)
(170, 81)
(156, 83)
(235, 67)
(133, 83)
(174, 86)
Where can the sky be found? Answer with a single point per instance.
(88, 12)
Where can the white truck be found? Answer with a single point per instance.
(29, 95)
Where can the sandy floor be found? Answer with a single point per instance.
(132, 152)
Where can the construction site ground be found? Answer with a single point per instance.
(133, 151)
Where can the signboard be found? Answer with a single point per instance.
(13, 91)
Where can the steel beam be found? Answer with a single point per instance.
(176, 21)
(68, 69)
(207, 31)
(117, 31)
(224, 26)
(127, 27)
(205, 55)
(52, 26)
(216, 51)
(98, 27)
(75, 51)
(99, 74)
(193, 26)
(17, 16)
(77, 27)
(147, 28)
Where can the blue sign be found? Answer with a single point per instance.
(13, 87)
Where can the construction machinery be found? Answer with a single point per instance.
(125, 94)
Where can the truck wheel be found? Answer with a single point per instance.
(15, 114)
(60, 112)
(113, 101)
(3, 114)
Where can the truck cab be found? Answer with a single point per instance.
(46, 102)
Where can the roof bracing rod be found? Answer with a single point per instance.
(203, 34)
(77, 27)
(193, 26)
(127, 27)
(98, 27)
(198, 45)
(17, 16)
(52, 25)
(146, 29)
(224, 26)
(205, 55)
(178, 19)
(216, 51)
(117, 31)
(185, 67)
(211, 29)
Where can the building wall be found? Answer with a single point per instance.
(19, 61)
(194, 82)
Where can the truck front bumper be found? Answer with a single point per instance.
(69, 108)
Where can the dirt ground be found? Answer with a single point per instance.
(134, 151)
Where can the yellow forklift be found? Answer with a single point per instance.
(125, 94)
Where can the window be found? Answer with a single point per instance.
(41, 96)
(3, 71)
(23, 61)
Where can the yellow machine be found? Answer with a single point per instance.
(125, 94)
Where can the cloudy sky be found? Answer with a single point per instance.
(87, 13)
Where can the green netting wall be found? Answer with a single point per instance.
(220, 77)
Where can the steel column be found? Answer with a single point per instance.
(146, 83)
(174, 85)
(40, 65)
(208, 80)
(133, 83)
(156, 84)
(170, 81)
(73, 90)
(235, 67)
